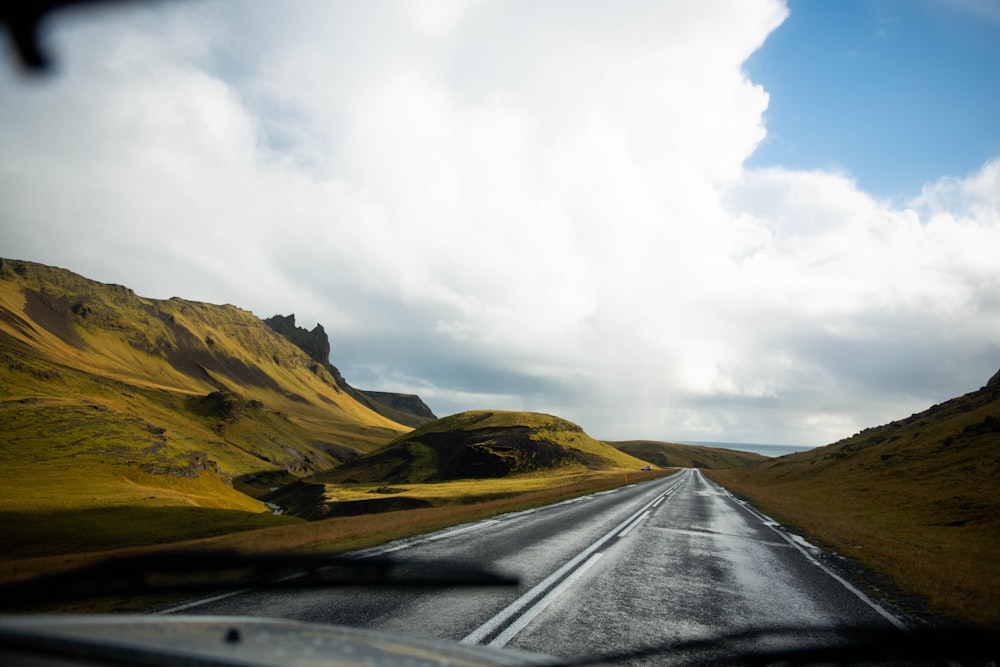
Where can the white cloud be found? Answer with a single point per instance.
(525, 205)
(432, 17)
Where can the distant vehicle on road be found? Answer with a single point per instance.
(646, 468)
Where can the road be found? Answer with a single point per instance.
(667, 560)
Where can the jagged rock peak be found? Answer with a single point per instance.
(402, 408)
(315, 343)
(994, 381)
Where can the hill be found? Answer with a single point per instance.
(110, 402)
(672, 455)
(915, 499)
(483, 444)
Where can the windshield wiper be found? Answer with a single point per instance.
(211, 570)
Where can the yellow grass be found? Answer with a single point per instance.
(954, 568)
(463, 490)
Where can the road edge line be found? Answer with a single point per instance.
(776, 528)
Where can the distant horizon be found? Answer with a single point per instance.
(764, 449)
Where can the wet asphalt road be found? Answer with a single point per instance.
(667, 560)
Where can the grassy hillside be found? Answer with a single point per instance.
(484, 444)
(129, 421)
(110, 400)
(472, 457)
(173, 345)
(915, 500)
(669, 454)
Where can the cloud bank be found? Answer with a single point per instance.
(536, 206)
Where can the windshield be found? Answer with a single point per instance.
(618, 328)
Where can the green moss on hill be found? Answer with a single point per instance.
(483, 444)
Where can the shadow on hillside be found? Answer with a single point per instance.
(30, 534)
(308, 501)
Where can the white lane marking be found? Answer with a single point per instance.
(775, 526)
(388, 550)
(530, 615)
(635, 523)
(490, 626)
(198, 603)
(408, 542)
(505, 614)
(378, 551)
(465, 529)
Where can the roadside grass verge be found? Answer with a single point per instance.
(900, 532)
(915, 501)
(343, 534)
(468, 491)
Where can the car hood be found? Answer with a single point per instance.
(228, 641)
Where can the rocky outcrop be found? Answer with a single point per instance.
(315, 343)
(406, 409)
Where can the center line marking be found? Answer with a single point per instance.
(632, 525)
(528, 616)
(504, 615)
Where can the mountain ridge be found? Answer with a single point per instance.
(406, 409)
(110, 399)
(179, 344)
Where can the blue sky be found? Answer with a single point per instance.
(894, 93)
(731, 220)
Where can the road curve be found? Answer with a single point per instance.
(661, 561)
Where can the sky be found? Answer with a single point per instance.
(728, 221)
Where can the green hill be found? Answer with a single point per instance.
(672, 455)
(915, 499)
(483, 444)
(109, 400)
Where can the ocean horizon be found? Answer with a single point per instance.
(772, 451)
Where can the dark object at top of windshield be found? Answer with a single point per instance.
(24, 21)
(199, 571)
